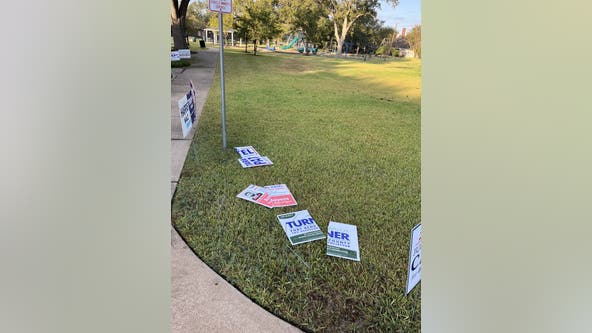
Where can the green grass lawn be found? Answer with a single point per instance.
(344, 135)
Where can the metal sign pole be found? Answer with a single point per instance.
(222, 80)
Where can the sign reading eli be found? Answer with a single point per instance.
(224, 6)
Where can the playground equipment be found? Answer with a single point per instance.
(294, 41)
(302, 49)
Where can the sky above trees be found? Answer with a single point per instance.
(406, 15)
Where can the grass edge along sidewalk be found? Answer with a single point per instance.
(345, 136)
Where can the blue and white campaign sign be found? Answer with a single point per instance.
(414, 270)
(342, 241)
(193, 91)
(175, 56)
(250, 157)
(186, 107)
(300, 227)
(184, 54)
(246, 151)
(254, 161)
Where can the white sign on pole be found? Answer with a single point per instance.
(224, 6)
(342, 241)
(414, 270)
(184, 54)
(175, 56)
(300, 227)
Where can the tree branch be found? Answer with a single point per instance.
(183, 8)
(174, 9)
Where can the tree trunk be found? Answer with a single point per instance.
(255, 47)
(246, 45)
(178, 32)
(339, 47)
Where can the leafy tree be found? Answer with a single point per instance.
(401, 43)
(414, 39)
(197, 17)
(256, 20)
(307, 16)
(366, 33)
(227, 21)
(344, 13)
(178, 12)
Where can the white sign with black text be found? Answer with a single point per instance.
(414, 270)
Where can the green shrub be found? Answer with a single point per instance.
(180, 63)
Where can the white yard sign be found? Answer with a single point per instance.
(246, 151)
(184, 54)
(414, 270)
(224, 6)
(253, 193)
(175, 56)
(186, 107)
(300, 227)
(251, 158)
(254, 161)
(342, 241)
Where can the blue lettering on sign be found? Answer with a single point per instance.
(339, 235)
(300, 223)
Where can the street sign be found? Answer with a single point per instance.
(224, 6)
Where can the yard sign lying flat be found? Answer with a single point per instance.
(278, 196)
(269, 196)
(414, 270)
(253, 193)
(342, 241)
(300, 227)
(251, 158)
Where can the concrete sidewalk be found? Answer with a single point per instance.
(202, 301)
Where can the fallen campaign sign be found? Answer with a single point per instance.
(254, 161)
(253, 193)
(414, 270)
(269, 196)
(175, 56)
(300, 227)
(250, 157)
(246, 151)
(278, 196)
(342, 241)
(186, 112)
(184, 54)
